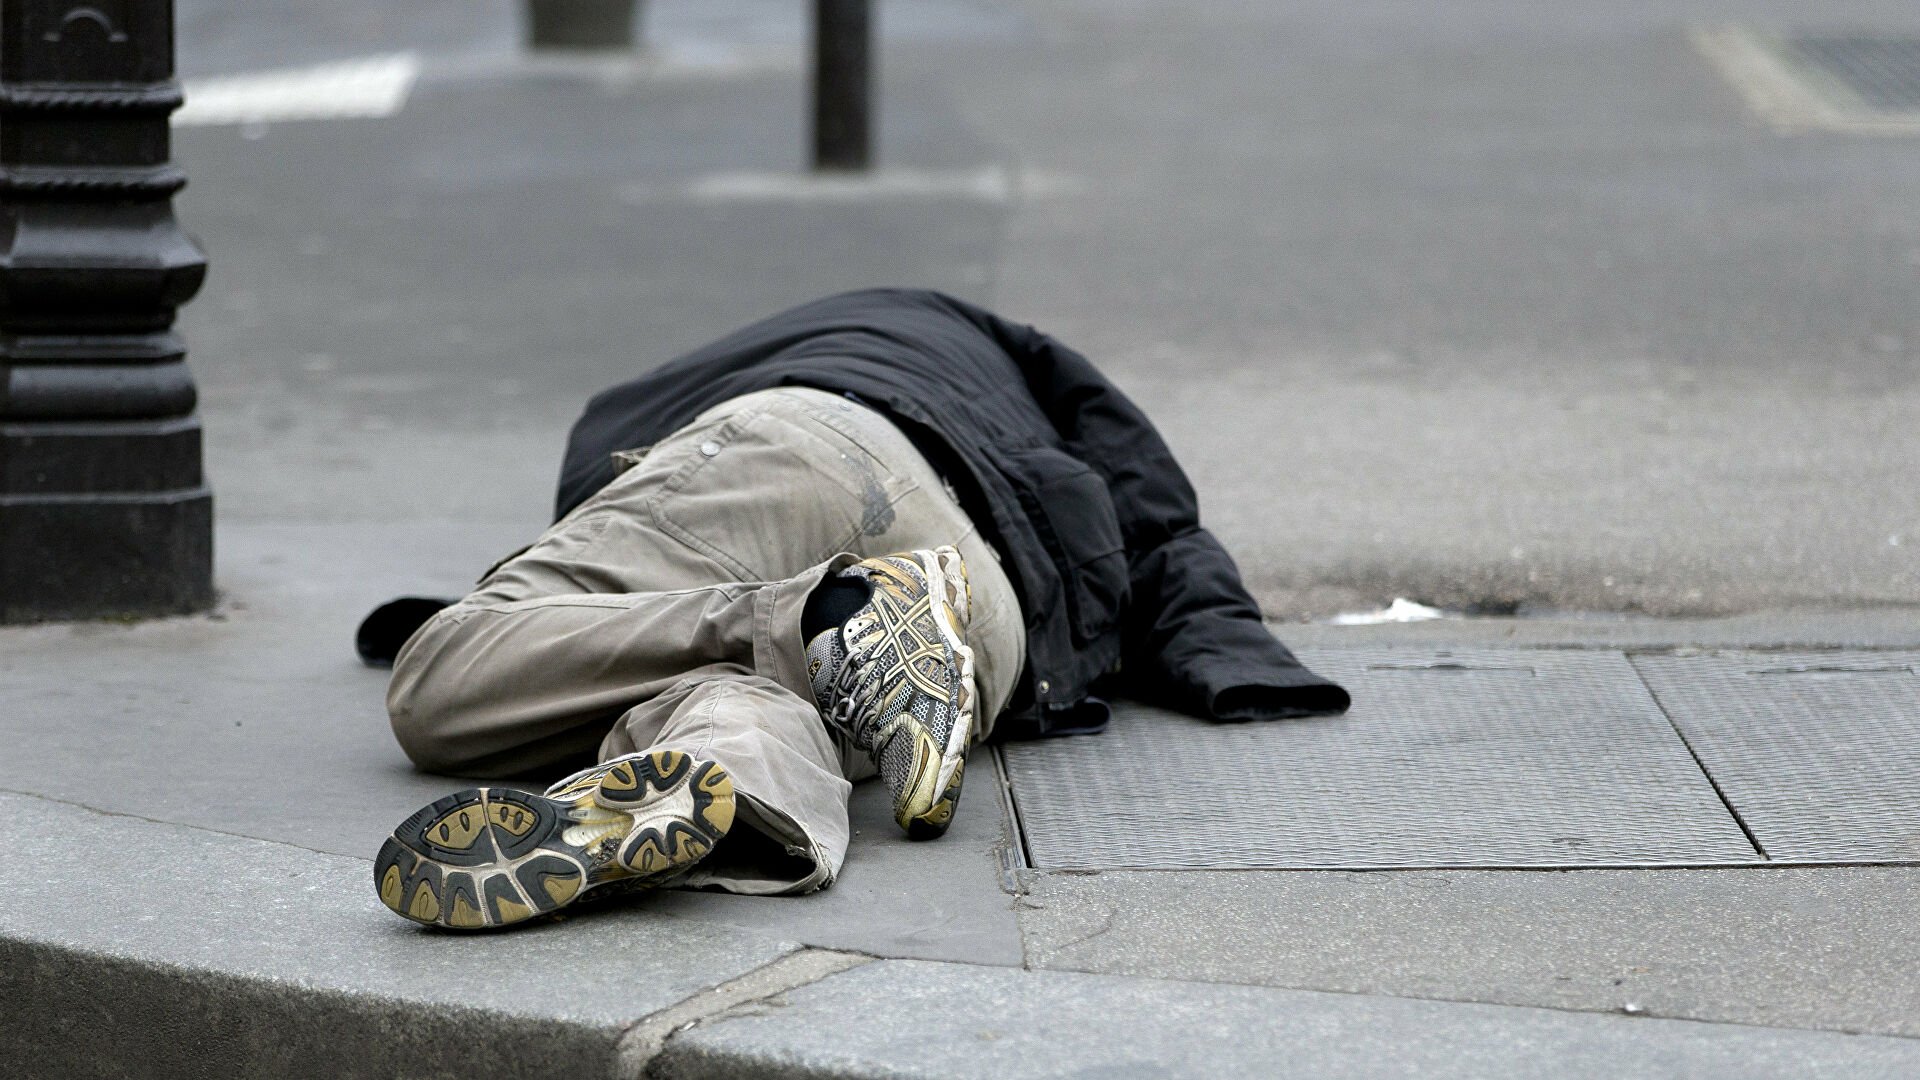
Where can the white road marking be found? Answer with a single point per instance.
(1780, 95)
(658, 62)
(372, 86)
(992, 183)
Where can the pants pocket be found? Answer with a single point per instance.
(772, 493)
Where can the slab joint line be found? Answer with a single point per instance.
(1698, 762)
(642, 1044)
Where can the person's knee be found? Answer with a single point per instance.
(422, 727)
(426, 746)
(422, 706)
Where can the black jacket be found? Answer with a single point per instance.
(1097, 525)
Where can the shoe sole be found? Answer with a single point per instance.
(947, 583)
(492, 857)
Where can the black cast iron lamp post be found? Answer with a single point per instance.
(103, 507)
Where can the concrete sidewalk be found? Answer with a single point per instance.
(192, 807)
(1504, 307)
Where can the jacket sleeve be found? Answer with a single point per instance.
(1192, 635)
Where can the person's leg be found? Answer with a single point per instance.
(623, 597)
(710, 741)
(635, 625)
(559, 640)
(615, 613)
(884, 499)
(792, 799)
(502, 689)
(724, 779)
(921, 512)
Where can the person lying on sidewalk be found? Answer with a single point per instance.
(855, 538)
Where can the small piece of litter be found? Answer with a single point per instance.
(1402, 610)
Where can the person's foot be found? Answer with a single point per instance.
(897, 679)
(494, 856)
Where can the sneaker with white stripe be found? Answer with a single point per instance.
(897, 680)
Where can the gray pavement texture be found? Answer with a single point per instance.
(1448, 758)
(1523, 308)
(236, 771)
(103, 971)
(982, 1022)
(1506, 307)
(1801, 947)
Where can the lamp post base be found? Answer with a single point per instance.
(104, 511)
(139, 544)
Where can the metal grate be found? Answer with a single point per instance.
(1819, 753)
(1461, 758)
(1807, 80)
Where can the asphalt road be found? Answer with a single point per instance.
(1493, 305)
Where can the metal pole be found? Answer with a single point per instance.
(103, 508)
(842, 84)
(581, 24)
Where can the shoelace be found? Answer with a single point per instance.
(846, 710)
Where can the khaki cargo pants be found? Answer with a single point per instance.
(665, 612)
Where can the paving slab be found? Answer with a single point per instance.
(131, 947)
(933, 901)
(1448, 758)
(1817, 752)
(956, 1021)
(1789, 947)
(257, 720)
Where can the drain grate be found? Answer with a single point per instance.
(1461, 758)
(1808, 80)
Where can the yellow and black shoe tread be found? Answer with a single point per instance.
(490, 857)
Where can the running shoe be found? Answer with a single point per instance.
(490, 857)
(897, 680)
